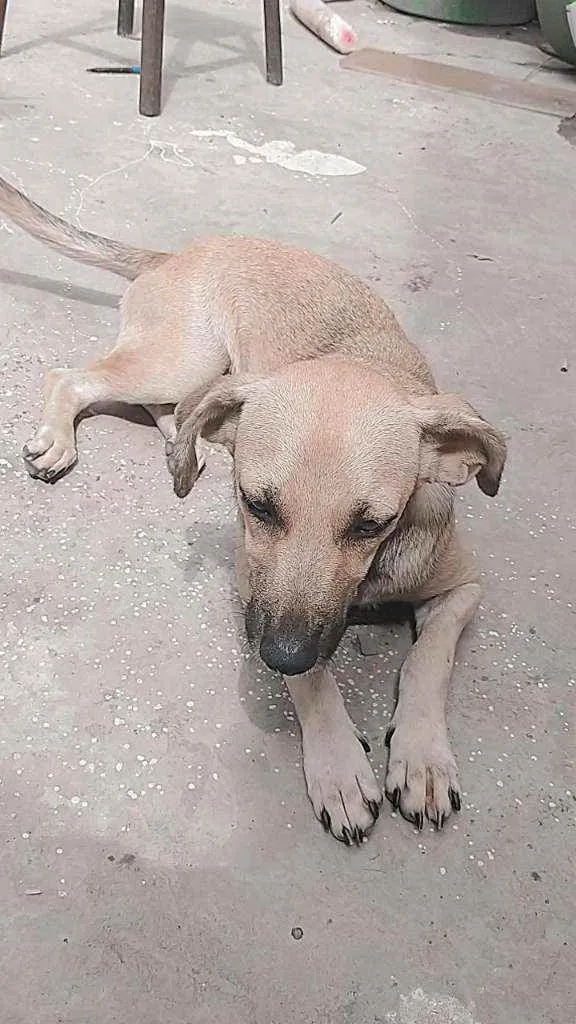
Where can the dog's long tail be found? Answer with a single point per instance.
(82, 246)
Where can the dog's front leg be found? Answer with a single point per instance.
(341, 784)
(421, 779)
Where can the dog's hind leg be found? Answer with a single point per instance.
(52, 450)
(163, 416)
(172, 340)
(126, 375)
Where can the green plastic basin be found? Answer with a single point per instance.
(555, 29)
(470, 12)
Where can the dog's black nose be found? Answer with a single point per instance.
(290, 653)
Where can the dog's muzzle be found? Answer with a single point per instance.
(291, 646)
(289, 651)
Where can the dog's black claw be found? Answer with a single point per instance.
(455, 799)
(364, 742)
(52, 476)
(394, 797)
(389, 734)
(325, 819)
(419, 820)
(346, 836)
(46, 476)
(358, 836)
(440, 819)
(374, 808)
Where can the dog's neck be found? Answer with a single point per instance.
(410, 555)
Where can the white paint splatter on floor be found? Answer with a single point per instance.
(284, 154)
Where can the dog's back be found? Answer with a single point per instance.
(273, 303)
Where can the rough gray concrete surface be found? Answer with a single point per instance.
(158, 847)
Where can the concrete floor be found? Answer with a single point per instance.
(158, 848)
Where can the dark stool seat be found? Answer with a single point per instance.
(153, 43)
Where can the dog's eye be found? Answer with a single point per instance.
(263, 511)
(368, 529)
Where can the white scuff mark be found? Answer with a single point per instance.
(279, 152)
(106, 174)
(171, 153)
(420, 1008)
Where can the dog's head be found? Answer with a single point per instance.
(327, 454)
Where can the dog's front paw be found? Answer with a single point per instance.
(422, 780)
(341, 784)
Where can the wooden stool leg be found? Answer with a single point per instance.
(273, 41)
(151, 59)
(125, 17)
(3, 6)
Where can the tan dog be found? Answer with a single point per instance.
(345, 459)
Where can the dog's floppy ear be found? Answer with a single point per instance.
(458, 444)
(212, 413)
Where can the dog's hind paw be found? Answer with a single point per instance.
(183, 469)
(48, 457)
